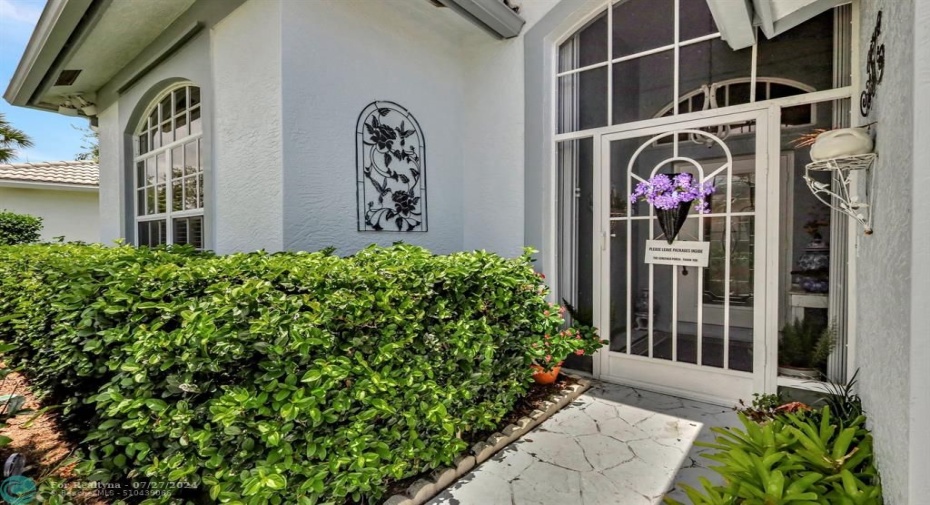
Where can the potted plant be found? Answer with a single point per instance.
(672, 197)
(804, 348)
(550, 350)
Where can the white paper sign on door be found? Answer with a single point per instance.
(689, 253)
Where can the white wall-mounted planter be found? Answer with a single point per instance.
(843, 194)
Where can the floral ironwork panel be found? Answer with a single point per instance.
(391, 168)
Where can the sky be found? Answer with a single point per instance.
(53, 135)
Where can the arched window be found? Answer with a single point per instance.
(168, 174)
(736, 92)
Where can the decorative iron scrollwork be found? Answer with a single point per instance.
(875, 68)
(391, 169)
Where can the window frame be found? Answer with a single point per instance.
(168, 215)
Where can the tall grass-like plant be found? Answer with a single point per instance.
(842, 399)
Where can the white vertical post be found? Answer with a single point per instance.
(610, 62)
(767, 282)
(677, 57)
(600, 301)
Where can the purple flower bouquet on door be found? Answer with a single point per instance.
(672, 197)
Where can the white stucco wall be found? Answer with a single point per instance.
(884, 280)
(74, 215)
(464, 87)
(120, 110)
(118, 119)
(337, 58)
(494, 136)
(247, 144)
(112, 204)
(279, 132)
(919, 395)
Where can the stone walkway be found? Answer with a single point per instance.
(614, 445)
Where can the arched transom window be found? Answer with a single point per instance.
(168, 174)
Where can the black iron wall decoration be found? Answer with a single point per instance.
(391, 169)
(875, 68)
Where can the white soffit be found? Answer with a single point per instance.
(96, 37)
(736, 19)
(122, 32)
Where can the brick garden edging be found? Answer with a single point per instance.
(424, 489)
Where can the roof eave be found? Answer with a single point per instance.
(735, 22)
(60, 186)
(58, 21)
(493, 16)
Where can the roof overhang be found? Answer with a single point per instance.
(58, 22)
(96, 37)
(493, 16)
(54, 186)
(738, 19)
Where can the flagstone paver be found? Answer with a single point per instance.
(614, 445)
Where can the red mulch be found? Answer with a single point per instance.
(39, 440)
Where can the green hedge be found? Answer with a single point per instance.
(271, 378)
(19, 228)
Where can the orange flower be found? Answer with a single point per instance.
(580, 352)
(548, 358)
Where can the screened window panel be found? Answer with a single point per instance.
(641, 25)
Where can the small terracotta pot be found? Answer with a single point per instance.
(543, 377)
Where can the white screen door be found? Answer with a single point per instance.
(700, 332)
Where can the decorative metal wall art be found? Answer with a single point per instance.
(391, 169)
(875, 68)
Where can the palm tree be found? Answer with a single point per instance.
(11, 139)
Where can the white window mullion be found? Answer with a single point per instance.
(610, 63)
(169, 202)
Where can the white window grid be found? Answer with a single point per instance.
(168, 164)
(567, 105)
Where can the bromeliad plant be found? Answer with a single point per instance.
(791, 453)
(800, 458)
(672, 197)
(550, 349)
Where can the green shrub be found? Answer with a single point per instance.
(19, 228)
(271, 378)
(803, 458)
